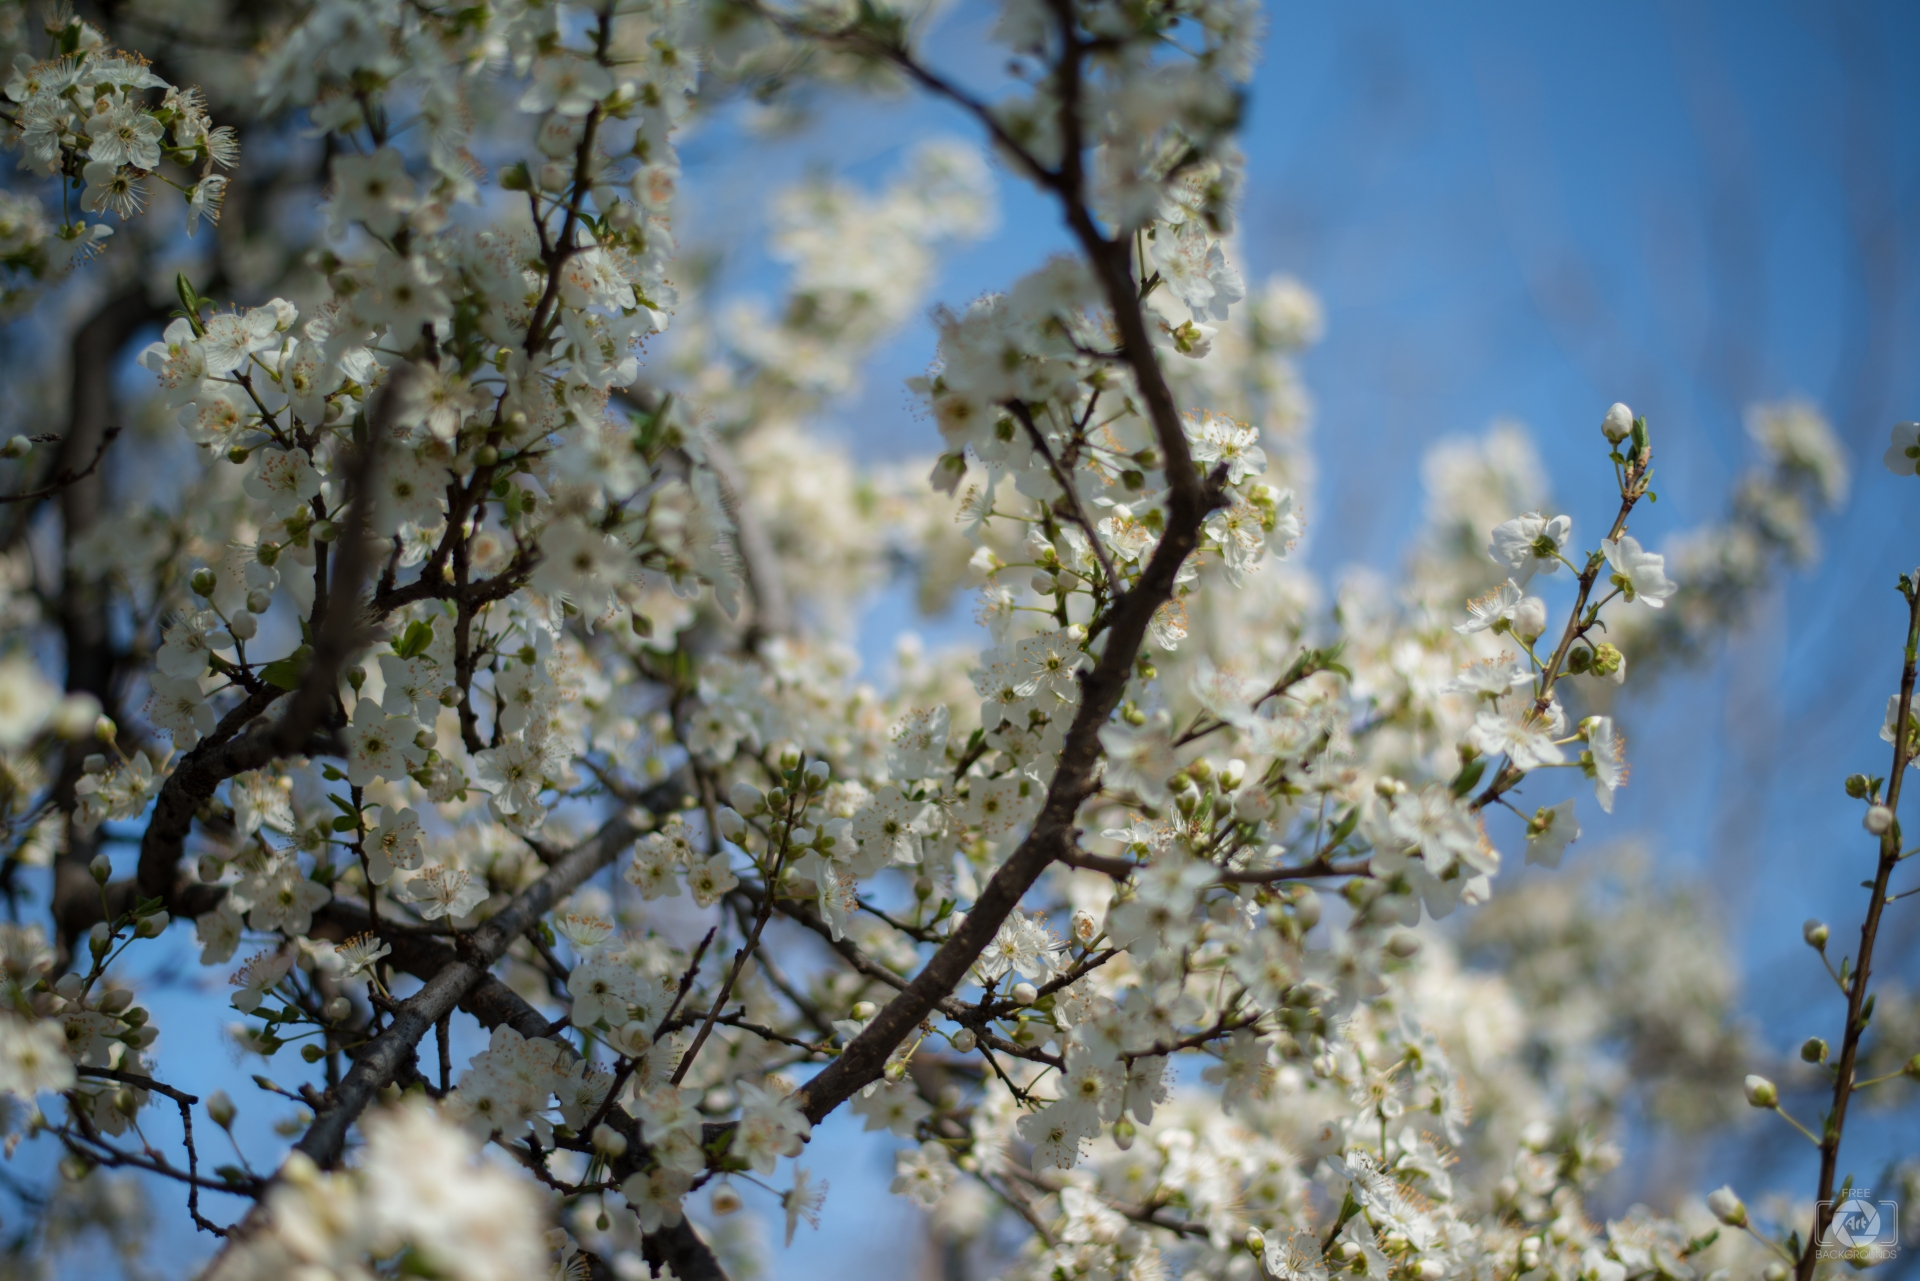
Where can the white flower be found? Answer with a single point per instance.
(1549, 832)
(33, 1058)
(180, 707)
(1903, 455)
(1495, 607)
(276, 896)
(889, 828)
(394, 845)
(27, 699)
(919, 744)
(771, 1126)
(1195, 268)
(803, 1201)
(1141, 758)
(1524, 735)
(379, 745)
(709, 880)
(1529, 544)
(567, 84)
(440, 891)
(374, 190)
(1640, 575)
(923, 1174)
(283, 480)
(1605, 760)
(1217, 438)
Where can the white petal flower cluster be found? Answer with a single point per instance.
(492, 676)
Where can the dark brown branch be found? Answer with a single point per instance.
(66, 475)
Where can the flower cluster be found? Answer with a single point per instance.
(502, 639)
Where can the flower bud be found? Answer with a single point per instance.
(732, 826)
(608, 1141)
(337, 1009)
(1618, 424)
(818, 774)
(1403, 944)
(747, 798)
(1813, 1050)
(789, 756)
(1123, 1134)
(1084, 928)
(220, 1108)
(259, 601)
(1878, 819)
(725, 1200)
(1256, 1242)
(1815, 933)
(1306, 909)
(864, 1010)
(244, 626)
(964, 1040)
(152, 927)
(1024, 994)
(1727, 1207)
(1775, 1271)
(1858, 786)
(74, 716)
(101, 868)
(1761, 1092)
(776, 800)
(1912, 1068)
(203, 582)
(1530, 618)
(325, 531)
(16, 447)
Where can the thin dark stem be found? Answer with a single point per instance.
(1843, 1082)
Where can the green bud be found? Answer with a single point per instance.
(1813, 1050)
(326, 531)
(203, 582)
(1857, 786)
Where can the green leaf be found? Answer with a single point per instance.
(342, 804)
(414, 641)
(288, 672)
(1469, 775)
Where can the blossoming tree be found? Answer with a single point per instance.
(485, 665)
